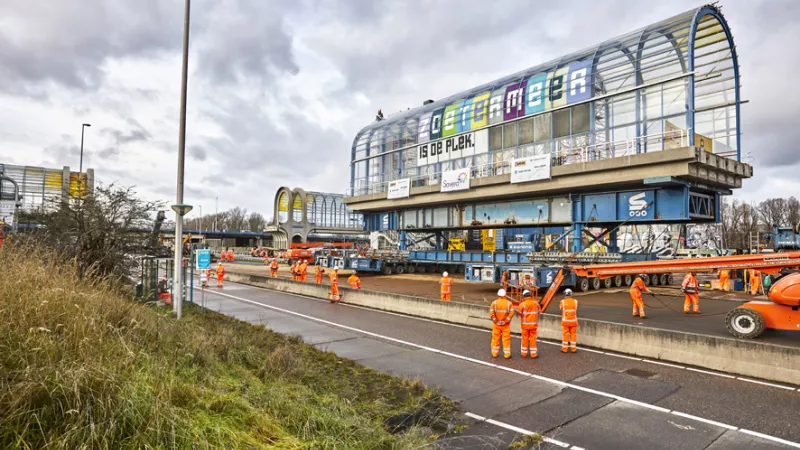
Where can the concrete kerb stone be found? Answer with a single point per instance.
(742, 357)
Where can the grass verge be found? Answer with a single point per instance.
(83, 366)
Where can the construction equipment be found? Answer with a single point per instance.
(747, 321)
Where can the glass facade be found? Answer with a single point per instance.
(672, 84)
(322, 210)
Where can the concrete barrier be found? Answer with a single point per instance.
(742, 357)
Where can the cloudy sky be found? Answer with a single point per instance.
(278, 89)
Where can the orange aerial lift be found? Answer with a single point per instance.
(748, 320)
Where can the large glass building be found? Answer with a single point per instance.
(672, 84)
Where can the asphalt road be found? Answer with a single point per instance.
(591, 400)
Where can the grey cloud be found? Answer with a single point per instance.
(196, 152)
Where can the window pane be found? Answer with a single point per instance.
(526, 131)
(542, 127)
(510, 135)
(580, 118)
(561, 123)
(496, 138)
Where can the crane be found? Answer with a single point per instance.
(747, 321)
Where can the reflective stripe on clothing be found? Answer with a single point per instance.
(501, 310)
(529, 312)
(569, 311)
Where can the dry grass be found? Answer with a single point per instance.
(82, 366)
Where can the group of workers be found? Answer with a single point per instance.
(226, 255)
(205, 276)
(689, 287)
(502, 311)
(299, 271)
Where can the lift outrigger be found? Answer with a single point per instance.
(749, 320)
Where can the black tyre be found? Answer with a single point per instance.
(669, 279)
(663, 279)
(654, 280)
(608, 283)
(399, 269)
(646, 280)
(582, 284)
(412, 269)
(618, 281)
(628, 280)
(745, 323)
(386, 270)
(594, 283)
(422, 268)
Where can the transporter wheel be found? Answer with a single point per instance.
(654, 280)
(412, 268)
(617, 281)
(594, 283)
(646, 279)
(608, 283)
(669, 279)
(460, 269)
(663, 279)
(399, 269)
(386, 270)
(582, 284)
(422, 268)
(628, 280)
(745, 323)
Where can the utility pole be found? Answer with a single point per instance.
(216, 212)
(80, 165)
(179, 208)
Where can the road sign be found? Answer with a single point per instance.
(203, 259)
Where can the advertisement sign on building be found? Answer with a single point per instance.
(455, 180)
(461, 146)
(399, 188)
(530, 169)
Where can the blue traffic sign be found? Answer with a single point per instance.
(203, 259)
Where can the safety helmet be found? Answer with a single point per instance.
(568, 292)
(444, 274)
(501, 293)
(355, 273)
(526, 294)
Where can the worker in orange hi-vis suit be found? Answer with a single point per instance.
(273, 268)
(220, 275)
(303, 271)
(755, 282)
(319, 272)
(354, 281)
(294, 271)
(636, 290)
(334, 276)
(501, 313)
(690, 289)
(569, 322)
(529, 311)
(230, 255)
(724, 276)
(445, 287)
(223, 255)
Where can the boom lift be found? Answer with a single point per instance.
(748, 320)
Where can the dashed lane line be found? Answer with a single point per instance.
(508, 369)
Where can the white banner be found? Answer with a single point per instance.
(455, 180)
(463, 145)
(530, 169)
(399, 188)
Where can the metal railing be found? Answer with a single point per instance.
(559, 157)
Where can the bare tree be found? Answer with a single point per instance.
(772, 211)
(256, 222)
(237, 219)
(792, 211)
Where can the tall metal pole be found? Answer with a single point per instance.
(80, 165)
(216, 211)
(177, 281)
(201, 219)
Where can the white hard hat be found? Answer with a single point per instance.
(568, 292)
(501, 293)
(526, 293)
(445, 274)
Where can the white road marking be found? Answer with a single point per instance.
(508, 369)
(423, 319)
(521, 431)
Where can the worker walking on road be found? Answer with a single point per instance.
(334, 276)
(445, 287)
(303, 271)
(569, 322)
(319, 272)
(529, 311)
(501, 313)
(203, 279)
(354, 281)
(220, 275)
(755, 282)
(636, 290)
(724, 276)
(690, 289)
(273, 268)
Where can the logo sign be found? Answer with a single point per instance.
(636, 205)
(532, 168)
(203, 259)
(460, 146)
(399, 188)
(455, 180)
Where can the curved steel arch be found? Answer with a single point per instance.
(713, 11)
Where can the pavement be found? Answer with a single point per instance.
(592, 399)
(611, 305)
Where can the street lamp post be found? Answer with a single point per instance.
(80, 165)
(179, 208)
